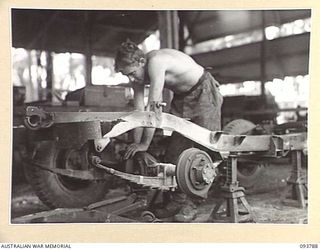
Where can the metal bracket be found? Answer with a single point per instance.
(36, 118)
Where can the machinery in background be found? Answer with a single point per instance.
(257, 115)
(256, 109)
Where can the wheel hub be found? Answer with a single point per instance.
(76, 160)
(208, 173)
(72, 159)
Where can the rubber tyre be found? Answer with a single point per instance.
(248, 172)
(239, 127)
(57, 191)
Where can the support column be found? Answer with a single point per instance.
(88, 51)
(49, 69)
(263, 55)
(32, 88)
(169, 38)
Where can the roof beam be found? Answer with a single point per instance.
(284, 56)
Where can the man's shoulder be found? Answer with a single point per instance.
(154, 57)
(160, 55)
(154, 53)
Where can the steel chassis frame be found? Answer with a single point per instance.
(262, 145)
(230, 147)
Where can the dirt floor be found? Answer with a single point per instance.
(265, 197)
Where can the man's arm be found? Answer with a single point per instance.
(156, 72)
(138, 102)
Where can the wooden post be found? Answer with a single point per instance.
(49, 69)
(88, 50)
(169, 38)
(181, 41)
(175, 29)
(263, 55)
(31, 85)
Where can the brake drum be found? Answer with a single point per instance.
(195, 172)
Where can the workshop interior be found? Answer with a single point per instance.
(73, 116)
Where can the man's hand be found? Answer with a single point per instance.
(133, 149)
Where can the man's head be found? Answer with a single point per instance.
(130, 61)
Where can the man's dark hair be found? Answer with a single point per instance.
(128, 53)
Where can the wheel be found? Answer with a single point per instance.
(239, 127)
(58, 191)
(147, 216)
(248, 171)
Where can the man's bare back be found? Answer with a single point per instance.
(181, 71)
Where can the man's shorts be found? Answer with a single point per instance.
(202, 104)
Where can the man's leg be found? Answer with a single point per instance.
(203, 107)
(178, 203)
(177, 145)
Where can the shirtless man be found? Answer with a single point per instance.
(196, 97)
